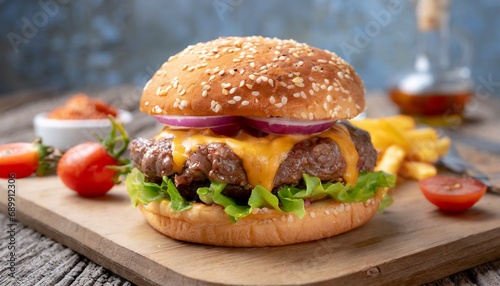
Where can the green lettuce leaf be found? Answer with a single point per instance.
(289, 198)
(142, 192)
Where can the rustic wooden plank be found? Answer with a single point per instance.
(397, 247)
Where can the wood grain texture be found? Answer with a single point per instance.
(400, 246)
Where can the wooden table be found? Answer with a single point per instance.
(42, 260)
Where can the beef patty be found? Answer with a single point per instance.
(319, 157)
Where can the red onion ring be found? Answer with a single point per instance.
(182, 121)
(282, 126)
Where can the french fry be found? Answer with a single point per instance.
(417, 170)
(421, 134)
(404, 149)
(401, 122)
(383, 133)
(391, 160)
(424, 151)
(443, 145)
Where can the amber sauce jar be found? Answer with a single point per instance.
(437, 91)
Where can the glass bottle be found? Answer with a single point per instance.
(437, 91)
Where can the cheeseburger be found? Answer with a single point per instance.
(256, 149)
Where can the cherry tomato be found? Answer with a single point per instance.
(19, 158)
(452, 194)
(83, 168)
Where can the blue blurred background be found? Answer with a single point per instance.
(72, 45)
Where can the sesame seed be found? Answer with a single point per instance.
(231, 101)
(296, 95)
(303, 94)
(183, 91)
(190, 69)
(259, 79)
(146, 103)
(311, 92)
(284, 100)
(231, 72)
(249, 86)
(212, 77)
(224, 91)
(206, 87)
(235, 60)
(315, 86)
(255, 93)
(322, 61)
(204, 93)
(232, 90)
(283, 84)
(272, 100)
(251, 76)
(290, 86)
(242, 83)
(245, 103)
(185, 66)
(215, 106)
(329, 98)
(279, 105)
(183, 104)
(271, 82)
(252, 64)
(341, 75)
(221, 72)
(330, 88)
(282, 58)
(225, 85)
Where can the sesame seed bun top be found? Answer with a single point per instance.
(255, 76)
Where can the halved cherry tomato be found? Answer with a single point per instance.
(452, 194)
(83, 169)
(18, 158)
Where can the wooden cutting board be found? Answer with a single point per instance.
(411, 243)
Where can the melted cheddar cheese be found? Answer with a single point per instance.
(261, 157)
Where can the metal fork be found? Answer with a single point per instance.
(455, 163)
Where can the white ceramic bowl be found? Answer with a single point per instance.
(64, 134)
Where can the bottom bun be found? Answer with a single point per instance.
(266, 227)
